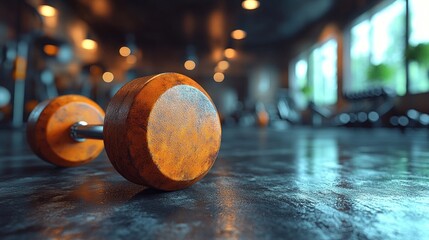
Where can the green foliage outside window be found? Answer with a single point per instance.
(381, 73)
(419, 54)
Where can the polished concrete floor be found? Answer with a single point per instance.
(266, 184)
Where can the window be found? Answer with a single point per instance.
(377, 53)
(323, 73)
(299, 83)
(315, 74)
(377, 45)
(360, 53)
(419, 46)
(301, 69)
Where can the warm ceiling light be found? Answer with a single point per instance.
(89, 44)
(50, 50)
(108, 77)
(230, 53)
(250, 4)
(125, 51)
(238, 34)
(223, 65)
(218, 77)
(189, 65)
(47, 11)
(131, 59)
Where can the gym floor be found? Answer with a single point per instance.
(266, 184)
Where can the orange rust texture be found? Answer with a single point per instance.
(186, 151)
(48, 130)
(162, 131)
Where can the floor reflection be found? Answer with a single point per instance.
(297, 184)
(83, 203)
(226, 218)
(316, 158)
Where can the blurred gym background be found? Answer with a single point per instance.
(267, 63)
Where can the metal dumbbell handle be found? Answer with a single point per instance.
(81, 131)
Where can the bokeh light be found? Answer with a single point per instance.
(223, 65)
(218, 77)
(47, 11)
(125, 51)
(108, 77)
(238, 34)
(250, 4)
(230, 53)
(89, 44)
(190, 65)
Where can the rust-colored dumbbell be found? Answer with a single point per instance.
(161, 131)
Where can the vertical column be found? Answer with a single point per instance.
(19, 77)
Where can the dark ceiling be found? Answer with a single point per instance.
(164, 29)
(179, 23)
(200, 23)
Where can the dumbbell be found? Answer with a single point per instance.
(160, 131)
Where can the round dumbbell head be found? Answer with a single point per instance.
(162, 131)
(48, 130)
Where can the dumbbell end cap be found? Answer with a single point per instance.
(48, 130)
(162, 131)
